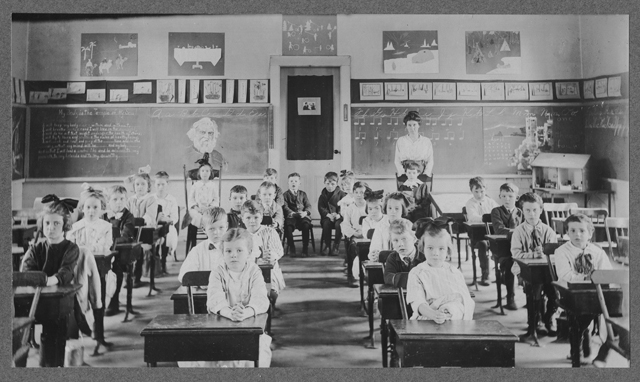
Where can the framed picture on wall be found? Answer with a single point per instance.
(568, 90)
(588, 90)
(469, 91)
(395, 91)
(444, 90)
(212, 91)
(308, 105)
(540, 91)
(421, 90)
(371, 91)
(492, 91)
(601, 87)
(517, 91)
(258, 91)
(613, 87)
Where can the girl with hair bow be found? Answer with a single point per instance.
(203, 193)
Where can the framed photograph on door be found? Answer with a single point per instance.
(308, 105)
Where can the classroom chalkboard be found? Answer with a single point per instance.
(505, 132)
(116, 141)
(607, 138)
(454, 132)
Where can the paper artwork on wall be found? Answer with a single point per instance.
(76, 87)
(242, 91)
(468, 91)
(212, 91)
(588, 89)
(230, 91)
(118, 95)
(444, 90)
(108, 54)
(493, 52)
(182, 91)
(38, 97)
(165, 91)
(371, 91)
(613, 87)
(517, 91)
(308, 105)
(196, 54)
(142, 87)
(568, 90)
(194, 91)
(492, 91)
(420, 90)
(410, 52)
(259, 91)
(58, 93)
(395, 91)
(315, 35)
(601, 88)
(96, 95)
(540, 91)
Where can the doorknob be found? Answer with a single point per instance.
(336, 151)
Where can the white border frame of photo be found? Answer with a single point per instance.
(211, 97)
(450, 94)
(428, 93)
(365, 86)
(493, 91)
(402, 92)
(118, 95)
(230, 91)
(588, 88)
(568, 90)
(313, 107)
(601, 88)
(253, 96)
(468, 91)
(516, 96)
(613, 86)
(540, 95)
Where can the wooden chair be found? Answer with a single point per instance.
(194, 279)
(557, 210)
(621, 324)
(297, 238)
(21, 326)
(620, 227)
(459, 233)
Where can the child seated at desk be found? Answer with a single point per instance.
(237, 290)
(122, 220)
(351, 226)
(94, 237)
(346, 180)
(405, 255)
(168, 215)
(477, 206)
(237, 196)
(504, 220)
(330, 217)
(297, 213)
(395, 207)
(273, 215)
(575, 261)
(435, 289)
(271, 175)
(208, 253)
(142, 204)
(267, 245)
(412, 171)
(527, 242)
(57, 257)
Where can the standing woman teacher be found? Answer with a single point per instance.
(413, 147)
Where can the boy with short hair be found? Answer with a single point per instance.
(271, 175)
(527, 242)
(405, 255)
(504, 220)
(297, 214)
(412, 171)
(237, 196)
(168, 215)
(330, 217)
(477, 206)
(207, 254)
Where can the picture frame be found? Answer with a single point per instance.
(468, 91)
(516, 91)
(371, 91)
(258, 91)
(118, 95)
(420, 90)
(96, 95)
(492, 91)
(395, 91)
(613, 86)
(568, 90)
(588, 89)
(212, 91)
(601, 88)
(309, 105)
(540, 91)
(444, 90)
(76, 87)
(142, 87)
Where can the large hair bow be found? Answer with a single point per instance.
(68, 204)
(428, 224)
(345, 173)
(204, 161)
(373, 195)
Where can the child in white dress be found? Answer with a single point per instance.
(203, 192)
(436, 290)
(346, 181)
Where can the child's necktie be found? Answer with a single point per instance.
(535, 239)
(584, 263)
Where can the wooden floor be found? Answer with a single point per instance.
(318, 322)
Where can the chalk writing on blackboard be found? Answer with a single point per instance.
(200, 113)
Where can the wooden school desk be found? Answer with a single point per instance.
(553, 192)
(181, 305)
(202, 337)
(476, 232)
(580, 301)
(458, 343)
(20, 236)
(375, 276)
(534, 272)
(127, 254)
(104, 265)
(500, 247)
(389, 307)
(362, 250)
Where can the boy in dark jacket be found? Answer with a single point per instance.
(330, 217)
